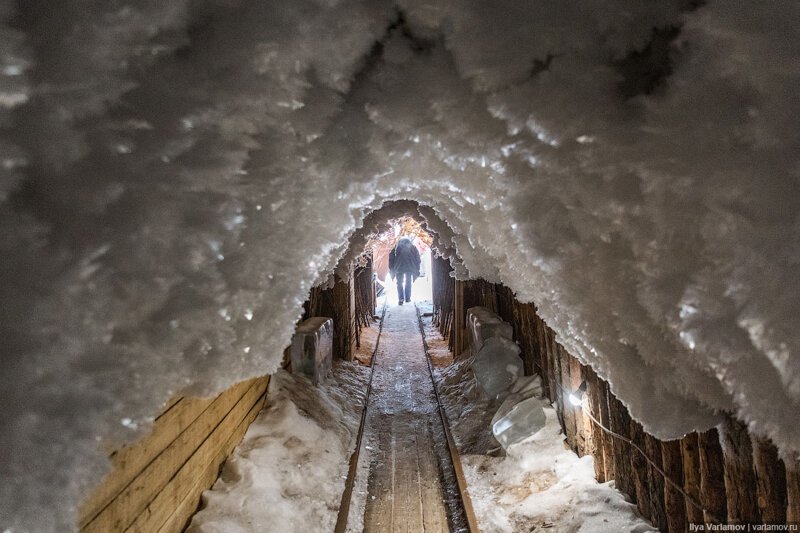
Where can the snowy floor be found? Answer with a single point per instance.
(368, 339)
(540, 485)
(399, 486)
(288, 473)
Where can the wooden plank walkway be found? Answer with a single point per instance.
(405, 489)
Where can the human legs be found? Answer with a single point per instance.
(409, 281)
(400, 294)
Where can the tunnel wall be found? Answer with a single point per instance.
(338, 303)
(155, 483)
(732, 475)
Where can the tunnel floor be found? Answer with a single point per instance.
(411, 484)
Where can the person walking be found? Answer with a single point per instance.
(404, 263)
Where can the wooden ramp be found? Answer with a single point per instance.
(408, 487)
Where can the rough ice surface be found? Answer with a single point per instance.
(497, 365)
(522, 420)
(521, 413)
(312, 348)
(483, 324)
(289, 470)
(175, 176)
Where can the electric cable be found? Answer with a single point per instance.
(677, 487)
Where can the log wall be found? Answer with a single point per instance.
(364, 298)
(729, 475)
(155, 484)
(338, 303)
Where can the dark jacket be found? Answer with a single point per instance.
(404, 258)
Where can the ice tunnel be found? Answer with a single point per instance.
(616, 181)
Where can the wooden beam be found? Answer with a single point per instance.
(771, 480)
(656, 483)
(608, 441)
(595, 394)
(639, 469)
(674, 503)
(712, 477)
(691, 476)
(740, 479)
(792, 489)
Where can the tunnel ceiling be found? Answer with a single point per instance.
(176, 175)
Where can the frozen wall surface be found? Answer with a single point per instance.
(176, 175)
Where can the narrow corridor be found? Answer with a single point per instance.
(405, 439)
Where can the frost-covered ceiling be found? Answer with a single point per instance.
(176, 175)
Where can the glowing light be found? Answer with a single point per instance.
(576, 398)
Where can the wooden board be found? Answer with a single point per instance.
(740, 478)
(712, 477)
(771, 479)
(130, 460)
(674, 503)
(211, 451)
(691, 476)
(188, 506)
(144, 470)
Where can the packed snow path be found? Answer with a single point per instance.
(411, 484)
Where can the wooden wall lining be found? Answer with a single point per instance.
(338, 303)
(748, 483)
(155, 484)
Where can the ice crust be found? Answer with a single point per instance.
(521, 414)
(483, 324)
(497, 365)
(175, 176)
(312, 348)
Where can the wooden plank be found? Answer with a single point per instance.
(188, 506)
(576, 377)
(608, 441)
(674, 503)
(712, 477)
(594, 392)
(106, 506)
(133, 499)
(658, 514)
(622, 452)
(740, 478)
(639, 469)
(434, 516)
(792, 489)
(130, 460)
(570, 412)
(407, 505)
(458, 318)
(543, 334)
(158, 511)
(771, 481)
(691, 476)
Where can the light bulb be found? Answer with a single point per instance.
(575, 400)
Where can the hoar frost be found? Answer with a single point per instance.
(520, 131)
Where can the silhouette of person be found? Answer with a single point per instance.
(404, 263)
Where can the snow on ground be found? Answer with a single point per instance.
(288, 473)
(545, 487)
(540, 485)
